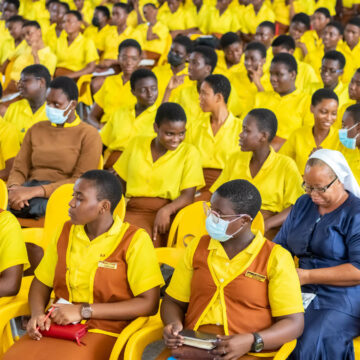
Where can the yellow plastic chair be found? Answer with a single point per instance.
(3, 195)
(190, 223)
(163, 57)
(101, 163)
(121, 208)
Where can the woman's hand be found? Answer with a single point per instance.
(65, 314)
(19, 196)
(162, 221)
(232, 347)
(35, 322)
(303, 276)
(171, 335)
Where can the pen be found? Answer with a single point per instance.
(47, 316)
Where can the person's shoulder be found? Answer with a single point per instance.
(20, 104)
(44, 124)
(353, 204)
(285, 162)
(85, 128)
(7, 219)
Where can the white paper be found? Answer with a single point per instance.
(307, 298)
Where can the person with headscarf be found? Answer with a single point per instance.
(323, 231)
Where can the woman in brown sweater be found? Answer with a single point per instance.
(53, 152)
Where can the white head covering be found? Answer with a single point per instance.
(336, 161)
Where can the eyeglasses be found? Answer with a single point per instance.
(216, 217)
(330, 71)
(310, 189)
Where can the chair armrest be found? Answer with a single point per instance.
(284, 352)
(34, 236)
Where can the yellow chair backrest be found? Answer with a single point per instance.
(3, 195)
(121, 208)
(190, 223)
(169, 256)
(101, 163)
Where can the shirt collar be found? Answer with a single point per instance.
(76, 122)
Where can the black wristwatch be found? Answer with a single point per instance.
(258, 344)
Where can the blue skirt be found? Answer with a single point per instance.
(328, 335)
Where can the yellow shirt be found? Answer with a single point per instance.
(99, 37)
(81, 272)
(7, 46)
(166, 177)
(46, 58)
(158, 45)
(278, 180)
(250, 20)
(292, 110)
(353, 159)
(311, 39)
(221, 24)
(282, 10)
(329, 4)
(21, 116)
(341, 90)
(12, 246)
(78, 55)
(301, 143)
(123, 125)
(341, 112)
(214, 150)
(200, 19)
(284, 291)
(234, 70)
(179, 20)
(351, 56)
(108, 97)
(9, 142)
(305, 77)
(35, 10)
(50, 38)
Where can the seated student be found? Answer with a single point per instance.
(290, 105)
(275, 175)
(351, 45)
(35, 11)
(265, 33)
(160, 174)
(130, 121)
(199, 11)
(40, 167)
(13, 255)
(350, 140)
(219, 286)
(299, 31)
(302, 142)
(107, 99)
(153, 34)
(306, 77)
(33, 85)
(86, 9)
(75, 53)
(215, 132)
(106, 298)
(323, 230)
(176, 65)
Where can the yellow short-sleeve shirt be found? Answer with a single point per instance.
(341, 112)
(7, 47)
(352, 156)
(9, 142)
(157, 45)
(179, 20)
(284, 287)
(50, 37)
(100, 37)
(123, 125)
(221, 24)
(214, 149)
(140, 255)
(305, 77)
(77, 55)
(250, 20)
(12, 246)
(301, 143)
(172, 173)
(278, 180)
(21, 116)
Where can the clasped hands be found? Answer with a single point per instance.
(19, 196)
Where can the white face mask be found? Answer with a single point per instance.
(56, 116)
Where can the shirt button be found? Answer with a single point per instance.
(222, 280)
(218, 324)
(227, 264)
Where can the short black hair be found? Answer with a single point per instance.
(108, 186)
(336, 56)
(76, 13)
(16, 3)
(323, 11)
(220, 85)
(228, 39)
(244, 196)
(257, 46)
(104, 10)
(130, 43)
(265, 121)
(336, 25)
(185, 42)
(285, 41)
(65, 5)
(1, 90)
(15, 18)
(67, 85)
(209, 55)
(323, 94)
(150, 4)
(39, 71)
(287, 59)
(140, 74)
(269, 25)
(302, 18)
(169, 111)
(354, 21)
(32, 23)
(354, 110)
(123, 6)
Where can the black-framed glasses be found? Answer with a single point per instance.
(310, 189)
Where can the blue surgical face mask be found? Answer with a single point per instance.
(56, 116)
(217, 230)
(349, 143)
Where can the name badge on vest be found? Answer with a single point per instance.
(255, 276)
(107, 265)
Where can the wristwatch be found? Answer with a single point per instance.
(258, 344)
(86, 311)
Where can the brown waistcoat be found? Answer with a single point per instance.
(246, 299)
(110, 285)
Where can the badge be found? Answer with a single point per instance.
(255, 276)
(107, 265)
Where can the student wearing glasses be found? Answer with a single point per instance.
(323, 231)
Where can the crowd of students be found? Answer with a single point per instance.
(251, 105)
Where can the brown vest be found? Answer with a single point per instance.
(110, 285)
(246, 299)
